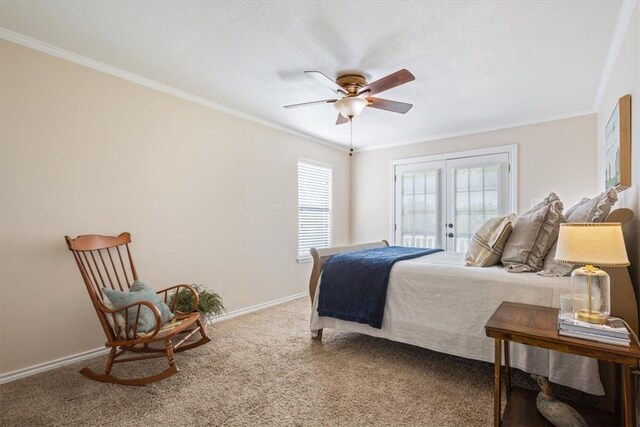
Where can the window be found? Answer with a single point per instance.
(314, 207)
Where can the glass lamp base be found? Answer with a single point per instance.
(590, 298)
(591, 317)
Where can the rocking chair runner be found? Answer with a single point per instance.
(106, 261)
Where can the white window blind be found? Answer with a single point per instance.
(314, 207)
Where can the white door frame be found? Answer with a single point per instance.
(511, 150)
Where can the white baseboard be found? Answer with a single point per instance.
(257, 307)
(53, 364)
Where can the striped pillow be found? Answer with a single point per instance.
(488, 243)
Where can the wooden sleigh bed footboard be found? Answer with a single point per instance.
(320, 256)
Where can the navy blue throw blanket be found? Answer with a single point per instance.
(354, 284)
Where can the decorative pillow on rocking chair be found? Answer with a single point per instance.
(138, 292)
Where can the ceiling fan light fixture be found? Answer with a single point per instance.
(350, 107)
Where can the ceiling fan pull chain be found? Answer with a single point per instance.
(350, 136)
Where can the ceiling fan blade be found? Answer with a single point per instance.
(304, 104)
(341, 120)
(392, 80)
(326, 81)
(388, 105)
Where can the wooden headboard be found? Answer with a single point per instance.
(623, 304)
(623, 296)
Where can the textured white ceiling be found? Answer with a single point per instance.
(477, 64)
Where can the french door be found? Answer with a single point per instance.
(442, 203)
(418, 206)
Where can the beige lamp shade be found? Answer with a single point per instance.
(600, 244)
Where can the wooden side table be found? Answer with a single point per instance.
(538, 326)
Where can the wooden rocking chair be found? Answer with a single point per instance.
(106, 261)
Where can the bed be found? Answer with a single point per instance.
(438, 303)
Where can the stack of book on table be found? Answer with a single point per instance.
(613, 332)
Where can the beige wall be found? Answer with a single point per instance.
(625, 78)
(555, 156)
(209, 198)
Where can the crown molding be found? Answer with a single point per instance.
(624, 19)
(441, 136)
(40, 46)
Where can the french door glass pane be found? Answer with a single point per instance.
(418, 215)
(475, 201)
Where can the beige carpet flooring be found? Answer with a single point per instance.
(263, 369)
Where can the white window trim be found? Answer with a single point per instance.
(308, 258)
(511, 150)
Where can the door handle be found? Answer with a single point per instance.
(450, 235)
(450, 225)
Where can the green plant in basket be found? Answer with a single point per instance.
(209, 303)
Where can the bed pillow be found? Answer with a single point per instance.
(533, 235)
(488, 242)
(119, 319)
(553, 268)
(573, 208)
(140, 291)
(594, 210)
(586, 210)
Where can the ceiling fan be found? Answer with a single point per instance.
(358, 94)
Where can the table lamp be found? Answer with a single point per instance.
(591, 245)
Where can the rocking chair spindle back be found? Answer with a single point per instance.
(106, 262)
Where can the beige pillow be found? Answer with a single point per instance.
(534, 232)
(488, 243)
(573, 208)
(594, 210)
(586, 210)
(553, 268)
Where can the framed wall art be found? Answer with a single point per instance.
(617, 144)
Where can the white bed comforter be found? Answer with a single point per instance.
(437, 303)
